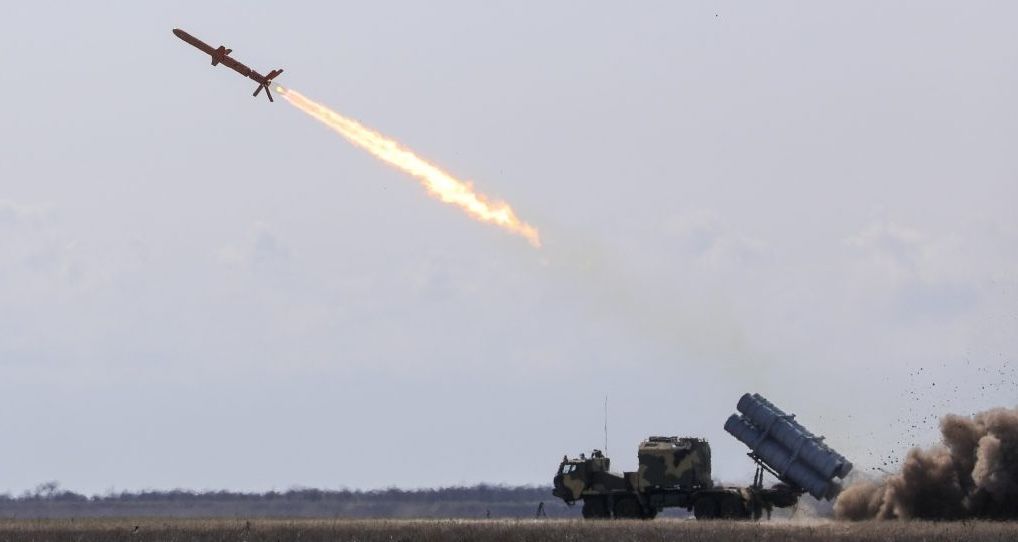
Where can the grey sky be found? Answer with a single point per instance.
(199, 289)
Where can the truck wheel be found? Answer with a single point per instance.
(732, 507)
(705, 508)
(594, 508)
(627, 508)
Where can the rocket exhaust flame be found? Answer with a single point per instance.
(436, 181)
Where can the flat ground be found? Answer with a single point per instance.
(305, 530)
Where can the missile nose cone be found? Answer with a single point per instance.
(178, 32)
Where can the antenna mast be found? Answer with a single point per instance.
(606, 424)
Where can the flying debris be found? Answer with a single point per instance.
(222, 56)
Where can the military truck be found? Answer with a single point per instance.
(676, 472)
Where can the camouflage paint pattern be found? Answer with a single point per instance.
(571, 480)
(587, 476)
(606, 482)
(674, 462)
(673, 472)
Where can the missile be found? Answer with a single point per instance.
(221, 55)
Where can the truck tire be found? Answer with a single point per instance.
(732, 507)
(628, 508)
(595, 508)
(706, 507)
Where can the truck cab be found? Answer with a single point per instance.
(578, 475)
(570, 480)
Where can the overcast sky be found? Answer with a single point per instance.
(812, 200)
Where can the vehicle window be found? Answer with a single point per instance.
(566, 469)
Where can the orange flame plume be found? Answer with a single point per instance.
(436, 181)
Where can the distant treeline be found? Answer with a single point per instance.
(50, 501)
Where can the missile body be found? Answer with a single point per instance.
(222, 56)
(201, 45)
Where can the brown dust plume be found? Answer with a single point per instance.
(972, 474)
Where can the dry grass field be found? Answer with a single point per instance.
(304, 530)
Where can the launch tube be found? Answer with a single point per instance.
(786, 430)
(781, 459)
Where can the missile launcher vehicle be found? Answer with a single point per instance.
(676, 472)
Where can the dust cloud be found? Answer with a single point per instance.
(972, 474)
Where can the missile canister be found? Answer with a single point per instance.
(782, 460)
(783, 428)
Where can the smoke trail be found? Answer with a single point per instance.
(437, 182)
(974, 473)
